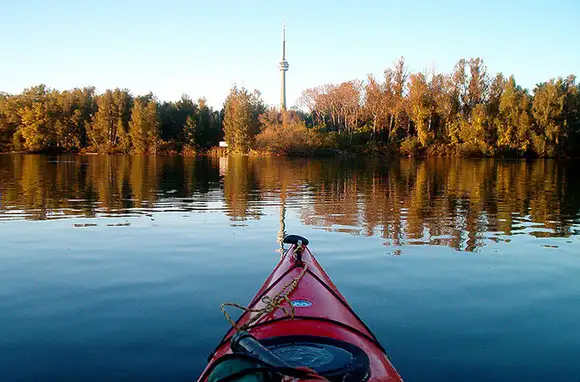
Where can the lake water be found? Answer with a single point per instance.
(114, 268)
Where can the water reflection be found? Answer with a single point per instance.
(458, 203)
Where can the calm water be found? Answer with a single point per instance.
(113, 268)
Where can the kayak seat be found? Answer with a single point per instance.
(333, 359)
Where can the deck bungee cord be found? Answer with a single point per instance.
(270, 303)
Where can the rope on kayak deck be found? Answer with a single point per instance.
(271, 304)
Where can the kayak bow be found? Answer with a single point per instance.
(301, 322)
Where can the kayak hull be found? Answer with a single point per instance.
(320, 310)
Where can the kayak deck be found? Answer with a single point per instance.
(320, 310)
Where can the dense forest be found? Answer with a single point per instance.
(467, 112)
(42, 119)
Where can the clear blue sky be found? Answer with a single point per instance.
(203, 47)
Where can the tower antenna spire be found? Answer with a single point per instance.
(283, 69)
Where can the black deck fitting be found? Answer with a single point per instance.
(293, 239)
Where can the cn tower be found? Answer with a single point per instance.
(283, 70)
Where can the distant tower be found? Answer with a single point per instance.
(283, 70)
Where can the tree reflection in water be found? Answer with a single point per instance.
(460, 203)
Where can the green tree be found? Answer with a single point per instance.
(514, 121)
(144, 127)
(473, 133)
(75, 108)
(190, 132)
(38, 119)
(547, 109)
(440, 95)
(572, 115)
(108, 131)
(101, 131)
(557, 113)
(240, 120)
(178, 121)
(208, 131)
(188, 111)
(457, 103)
(398, 84)
(204, 134)
(496, 88)
(123, 105)
(420, 107)
(9, 122)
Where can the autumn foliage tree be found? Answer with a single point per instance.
(286, 133)
(467, 111)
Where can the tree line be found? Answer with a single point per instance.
(43, 119)
(465, 112)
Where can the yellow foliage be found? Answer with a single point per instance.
(289, 138)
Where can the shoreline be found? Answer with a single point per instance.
(333, 153)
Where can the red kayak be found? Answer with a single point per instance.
(298, 327)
